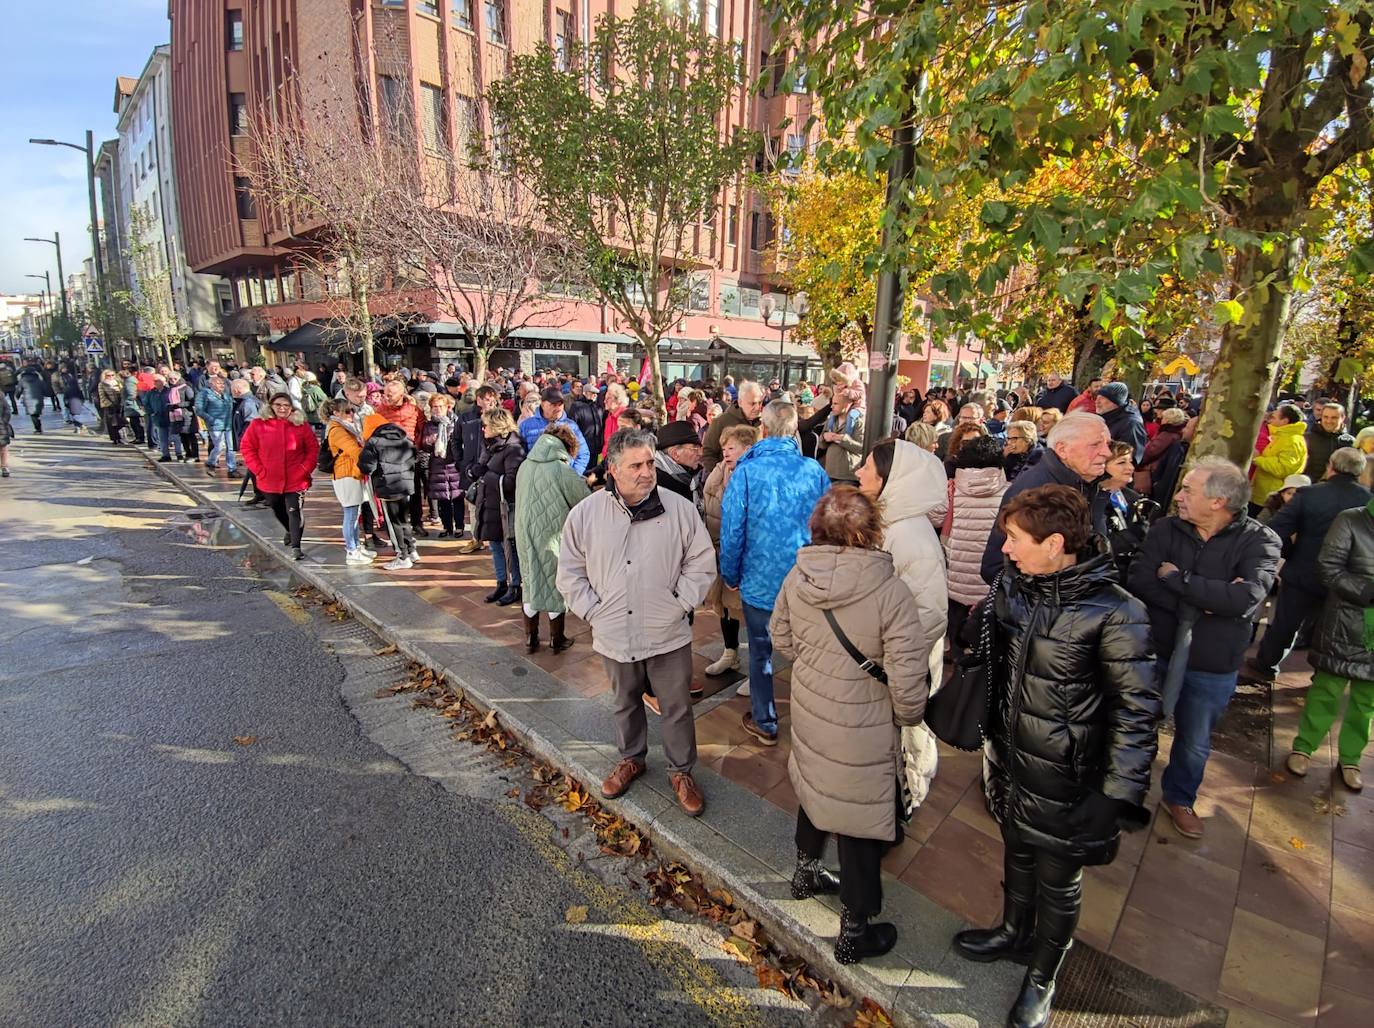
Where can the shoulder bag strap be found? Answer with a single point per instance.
(869, 666)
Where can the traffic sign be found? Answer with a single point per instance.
(94, 345)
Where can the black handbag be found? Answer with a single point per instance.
(958, 713)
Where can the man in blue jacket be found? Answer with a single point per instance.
(764, 521)
(551, 413)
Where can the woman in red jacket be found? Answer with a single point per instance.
(280, 450)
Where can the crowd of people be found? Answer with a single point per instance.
(1038, 521)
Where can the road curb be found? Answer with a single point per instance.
(794, 936)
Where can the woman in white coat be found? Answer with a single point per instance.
(910, 485)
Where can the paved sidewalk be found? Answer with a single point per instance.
(1270, 917)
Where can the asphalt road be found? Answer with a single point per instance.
(155, 872)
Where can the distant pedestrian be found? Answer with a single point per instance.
(110, 400)
(1118, 410)
(215, 405)
(388, 459)
(348, 430)
(725, 603)
(1284, 455)
(493, 517)
(442, 443)
(1324, 438)
(1057, 393)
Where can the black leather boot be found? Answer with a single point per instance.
(496, 593)
(1032, 1006)
(557, 634)
(512, 595)
(531, 633)
(812, 878)
(1011, 940)
(860, 940)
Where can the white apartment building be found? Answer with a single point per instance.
(147, 184)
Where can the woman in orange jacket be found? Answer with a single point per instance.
(345, 432)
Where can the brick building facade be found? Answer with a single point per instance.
(231, 57)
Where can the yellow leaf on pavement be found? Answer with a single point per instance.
(245, 740)
(575, 915)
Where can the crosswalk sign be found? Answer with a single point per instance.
(94, 345)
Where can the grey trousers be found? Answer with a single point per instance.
(671, 675)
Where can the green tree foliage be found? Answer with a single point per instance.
(624, 146)
(1219, 122)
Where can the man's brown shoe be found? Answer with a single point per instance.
(620, 778)
(689, 797)
(1186, 823)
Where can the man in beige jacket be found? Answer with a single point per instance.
(635, 562)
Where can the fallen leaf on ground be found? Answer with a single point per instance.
(871, 1016)
(386, 651)
(743, 947)
(245, 740)
(1297, 843)
(1278, 777)
(575, 915)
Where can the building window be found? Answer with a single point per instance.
(468, 125)
(255, 290)
(754, 230)
(243, 198)
(393, 3)
(710, 16)
(433, 116)
(729, 298)
(732, 225)
(427, 7)
(563, 38)
(241, 289)
(270, 290)
(233, 30)
(496, 21)
(749, 303)
(462, 13)
(238, 114)
(699, 292)
(796, 150)
(799, 79)
(393, 103)
(288, 284)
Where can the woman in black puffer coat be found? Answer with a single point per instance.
(388, 458)
(495, 475)
(1071, 734)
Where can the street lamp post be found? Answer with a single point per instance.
(89, 151)
(766, 309)
(56, 241)
(44, 299)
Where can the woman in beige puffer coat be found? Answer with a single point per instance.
(846, 753)
(975, 497)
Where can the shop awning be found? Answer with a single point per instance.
(768, 348)
(312, 335)
(975, 370)
(559, 335)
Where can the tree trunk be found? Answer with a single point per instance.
(358, 287)
(1242, 380)
(481, 357)
(1091, 349)
(656, 380)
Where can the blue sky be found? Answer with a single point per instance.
(58, 64)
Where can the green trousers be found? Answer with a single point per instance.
(1319, 713)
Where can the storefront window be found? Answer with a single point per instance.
(749, 303)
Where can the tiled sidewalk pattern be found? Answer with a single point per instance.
(1270, 915)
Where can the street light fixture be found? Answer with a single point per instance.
(89, 151)
(56, 241)
(44, 300)
(767, 307)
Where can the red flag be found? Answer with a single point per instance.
(610, 368)
(644, 376)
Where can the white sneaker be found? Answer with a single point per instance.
(397, 564)
(415, 556)
(357, 557)
(743, 689)
(728, 661)
(369, 554)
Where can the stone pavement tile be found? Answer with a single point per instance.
(974, 812)
(757, 771)
(1350, 950)
(957, 767)
(1281, 816)
(899, 858)
(1272, 968)
(1222, 842)
(1356, 826)
(943, 797)
(1352, 876)
(1342, 1009)
(960, 868)
(1186, 891)
(1105, 889)
(781, 795)
(1241, 1016)
(959, 992)
(1169, 951)
(1286, 886)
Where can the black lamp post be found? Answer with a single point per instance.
(56, 241)
(766, 310)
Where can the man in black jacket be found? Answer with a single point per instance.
(1208, 569)
(1122, 416)
(1076, 454)
(1057, 393)
(1305, 518)
(589, 417)
(1324, 438)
